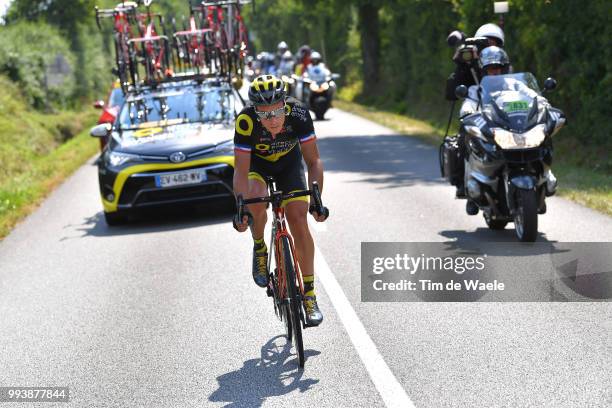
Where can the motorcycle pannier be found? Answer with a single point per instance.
(451, 160)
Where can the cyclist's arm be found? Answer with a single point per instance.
(242, 163)
(242, 153)
(310, 151)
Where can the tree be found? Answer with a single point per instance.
(369, 29)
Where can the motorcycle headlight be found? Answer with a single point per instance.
(225, 147)
(117, 159)
(529, 139)
(314, 87)
(324, 86)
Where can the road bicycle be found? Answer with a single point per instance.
(192, 44)
(285, 285)
(229, 34)
(151, 48)
(124, 17)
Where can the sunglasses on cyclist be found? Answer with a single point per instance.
(271, 114)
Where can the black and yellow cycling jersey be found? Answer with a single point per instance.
(279, 157)
(252, 137)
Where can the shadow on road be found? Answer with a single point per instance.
(274, 374)
(158, 220)
(388, 160)
(487, 235)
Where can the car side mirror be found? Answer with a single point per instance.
(99, 104)
(461, 91)
(102, 130)
(550, 84)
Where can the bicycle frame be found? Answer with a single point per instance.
(279, 230)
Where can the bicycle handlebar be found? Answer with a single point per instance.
(282, 197)
(277, 197)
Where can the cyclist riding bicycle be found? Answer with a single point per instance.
(267, 134)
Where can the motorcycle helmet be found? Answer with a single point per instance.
(315, 58)
(282, 47)
(287, 56)
(304, 51)
(494, 57)
(267, 90)
(493, 31)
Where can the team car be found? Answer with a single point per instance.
(169, 144)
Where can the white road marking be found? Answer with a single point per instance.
(385, 382)
(317, 226)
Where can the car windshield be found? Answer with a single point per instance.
(178, 105)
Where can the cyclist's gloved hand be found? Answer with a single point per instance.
(319, 214)
(242, 225)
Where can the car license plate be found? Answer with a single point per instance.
(180, 179)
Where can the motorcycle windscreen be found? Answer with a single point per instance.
(512, 100)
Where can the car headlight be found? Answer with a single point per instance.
(529, 139)
(117, 159)
(225, 147)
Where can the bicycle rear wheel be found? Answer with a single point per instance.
(294, 300)
(280, 306)
(121, 61)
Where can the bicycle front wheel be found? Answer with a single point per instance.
(294, 305)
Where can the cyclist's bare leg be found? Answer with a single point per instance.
(258, 189)
(304, 247)
(297, 212)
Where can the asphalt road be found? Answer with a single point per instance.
(164, 313)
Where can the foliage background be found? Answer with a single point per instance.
(565, 39)
(390, 53)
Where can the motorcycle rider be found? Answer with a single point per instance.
(285, 70)
(285, 66)
(281, 48)
(303, 59)
(318, 71)
(493, 61)
(301, 63)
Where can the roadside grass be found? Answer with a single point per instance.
(37, 152)
(585, 186)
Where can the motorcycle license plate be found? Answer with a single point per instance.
(181, 178)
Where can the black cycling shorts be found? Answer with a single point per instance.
(288, 172)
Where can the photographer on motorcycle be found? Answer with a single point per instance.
(467, 71)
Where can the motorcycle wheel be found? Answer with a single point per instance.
(526, 217)
(320, 115)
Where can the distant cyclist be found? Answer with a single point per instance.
(272, 135)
